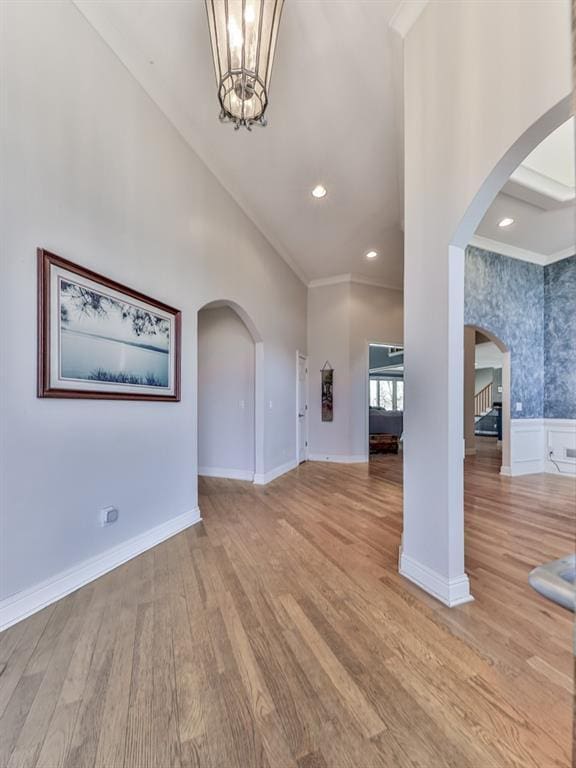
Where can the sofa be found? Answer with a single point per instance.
(382, 422)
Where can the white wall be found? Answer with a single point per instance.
(329, 340)
(342, 319)
(94, 172)
(472, 87)
(226, 373)
(376, 315)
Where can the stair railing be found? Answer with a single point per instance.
(483, 400)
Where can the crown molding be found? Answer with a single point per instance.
(406, 15)
(560, 255)
(138, 65)
(508, 250)
(542, 259)
(351, 277)
(544, 185)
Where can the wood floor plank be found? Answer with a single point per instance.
(278, 633)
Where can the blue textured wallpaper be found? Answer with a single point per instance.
(560, 339)
(506, 297)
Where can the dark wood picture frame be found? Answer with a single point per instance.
(47, 260)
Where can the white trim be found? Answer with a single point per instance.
(508, 250)
(561, 434)
(545, 185)
(23, 604)
(272, 474)
(531, 440)
(351, 277)
(526, 447)
(406, 15)
(302, 356)
(567, 253)
(451, 592)
(227, 474)
(534, 257)
(337, 459)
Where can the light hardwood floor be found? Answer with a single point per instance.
(279, 633)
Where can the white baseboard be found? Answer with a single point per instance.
(337, 459)
(227, 474)
(267, 477)
(23, 604)
(451, 592)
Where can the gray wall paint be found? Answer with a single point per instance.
(560, 339)
(506, 297)
(380, 356)
(342, 319)
(485, 376)
(225, 391)
(92, 170)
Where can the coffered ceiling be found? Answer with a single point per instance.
(540, 197)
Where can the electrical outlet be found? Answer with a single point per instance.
(518, 407)
(108, 515)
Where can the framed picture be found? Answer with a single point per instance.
(99, 339)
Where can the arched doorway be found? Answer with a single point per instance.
(497, 390)
(230, 433)
(465, 230)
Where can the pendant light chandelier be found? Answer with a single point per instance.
(243, 35)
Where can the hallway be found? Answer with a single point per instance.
(279, 633)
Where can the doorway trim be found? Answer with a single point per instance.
(369, 343)
(259, 414)
(301, 356)
(506, 462)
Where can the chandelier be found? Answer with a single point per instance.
(243, 35)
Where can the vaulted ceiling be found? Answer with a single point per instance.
(334, 118)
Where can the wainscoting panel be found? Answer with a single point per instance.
(560, 446)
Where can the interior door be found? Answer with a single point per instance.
(302, 405)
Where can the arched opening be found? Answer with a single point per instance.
(487, 395)
(230, 409)
(463, 235)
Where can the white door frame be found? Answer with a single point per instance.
(367, 386)
(306, 411)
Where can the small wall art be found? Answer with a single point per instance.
(327, 374)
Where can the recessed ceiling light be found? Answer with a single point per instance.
(319, 191)
(371, 254)
(505, 222)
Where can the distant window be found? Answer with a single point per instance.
(399, 395)
(387, 393)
